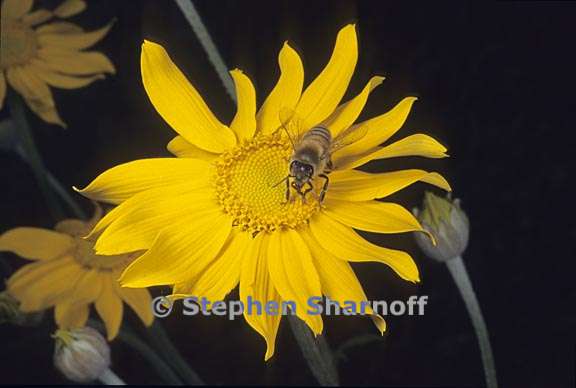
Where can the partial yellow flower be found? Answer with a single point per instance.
(34, 56)
(215, 217)
(67, 274)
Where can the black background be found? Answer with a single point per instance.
(495, 85)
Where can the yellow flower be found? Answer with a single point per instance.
(67, 274)
(33, 57)
(214, 217)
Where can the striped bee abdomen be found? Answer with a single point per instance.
(318, 134)
(313, 147)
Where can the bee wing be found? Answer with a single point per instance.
(348, 136)
(291, 124)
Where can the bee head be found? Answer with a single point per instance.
(302, 172)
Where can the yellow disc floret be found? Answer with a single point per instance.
(251, 190)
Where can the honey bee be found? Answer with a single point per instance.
(312, 152)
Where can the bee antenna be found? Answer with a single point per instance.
(282, 180)
(289, 137)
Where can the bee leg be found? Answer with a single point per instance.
(324, 187)
(287, 190)
(308, 189)
(287, 180)
(314, 193)
(295, 188)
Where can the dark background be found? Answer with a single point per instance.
(495, 84)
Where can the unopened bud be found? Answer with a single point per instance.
(10, 312)
(82, 355)
(447, 223)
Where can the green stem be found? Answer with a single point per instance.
(142, 348)
(354, 342)
(110, 378)
(214, 56)
(462, 280)
(26, 138)
(58, 189)
(316, 352)
(65, 196)
(160, 340)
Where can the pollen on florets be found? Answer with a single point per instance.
(250, 188)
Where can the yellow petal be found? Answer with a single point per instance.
(59, 80)
(346, 244)
(244, 123)
(221, 276)
(72, 41)
(178, 102)
(125, 180)
(2, 88)
(380, 129)
(180, 252)
(37, 17)
(353, 185)
(285, 94)
(138, 299)
(30, 273)
(41, 285)
(372, 216)
(75, 62)
(36, 93)
(55, 287)
(322, 96)
(144, 200)
(183, 149)
(15, 9)
(70, 8)
(293, 274)
(338, 280)
(109, 307)
(414, 145)
(59, 28)
(137, 222)
(255, 283)
(347, 113)
(35, 243)
(69, 315)
(88, 286)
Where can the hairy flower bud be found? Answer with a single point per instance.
(82, 355)
(10, 312)
(447, 222)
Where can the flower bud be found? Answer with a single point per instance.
(82, 355)
(10, 312)
(447, 223)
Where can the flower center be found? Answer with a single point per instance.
(85, 255)
(250, 186)
(18, 44)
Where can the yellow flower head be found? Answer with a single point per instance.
(34, 55)
(215, 217)
(67, 274)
